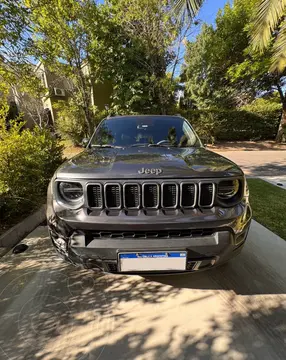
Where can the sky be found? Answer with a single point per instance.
(207, 14)
(209, 10)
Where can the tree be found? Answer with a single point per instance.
(226, 67)
(263, 68)
(76, 39)
(208, 59)
(254, 72)
(128, 43)
(269, 36)
(147, 32)
(14, 31)
(188, 8)
(23, 84)
(270, 26)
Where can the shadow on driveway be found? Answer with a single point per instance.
(51, 310)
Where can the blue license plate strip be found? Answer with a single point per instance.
(152, 261)
(167, 254)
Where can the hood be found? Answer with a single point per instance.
(131, 163)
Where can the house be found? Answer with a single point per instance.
(43, 110)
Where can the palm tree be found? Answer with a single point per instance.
(270, 25)
(269, 28)
(188, 7)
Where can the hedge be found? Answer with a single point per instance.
(28, 160)
(234, 125)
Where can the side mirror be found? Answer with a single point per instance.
(84, 142)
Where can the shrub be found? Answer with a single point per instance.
(235, 125)
(70, 121)
(264, 105)
(28, 160)
(14, 208)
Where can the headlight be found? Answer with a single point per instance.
(227, 189)
(71, 193)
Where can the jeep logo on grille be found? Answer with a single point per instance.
(150, 171)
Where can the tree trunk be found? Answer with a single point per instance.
(282, 126)
(280, 133)
(88, 120)
(86, 99)
(85, 93)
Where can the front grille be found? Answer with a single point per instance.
(150, 196)
(206, 198)
(94, 195)
(150, 234)
(169, 195)
(131, 196)
(155, 195)
(112, 196)
(188, 195)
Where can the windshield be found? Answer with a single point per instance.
(145, 131)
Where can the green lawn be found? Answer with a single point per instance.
(268, 203)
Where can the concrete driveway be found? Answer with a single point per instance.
(51, 310)
(259, 163)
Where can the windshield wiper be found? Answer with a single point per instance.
(152, 145)
(106, 146)
(139, 145)
(162, 145)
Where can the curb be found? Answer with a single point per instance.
(18, 232)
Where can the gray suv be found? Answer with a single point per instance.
(145, 196)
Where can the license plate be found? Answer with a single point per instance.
(152, 261)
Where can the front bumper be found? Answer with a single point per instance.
(202, 252)
(94, 240)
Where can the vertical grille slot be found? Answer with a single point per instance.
(112, 196)
(94, 195)
(151, 196)
(131, 196)
(169, 195)
(207, 193)
(188, 195)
